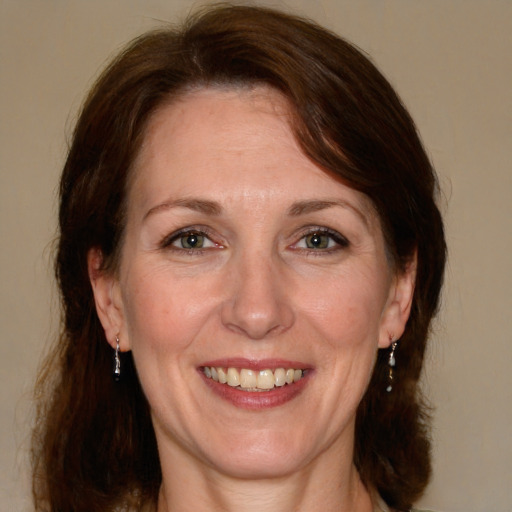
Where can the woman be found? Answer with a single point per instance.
(249, 244)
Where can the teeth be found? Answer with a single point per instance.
(266, 379)
(253, 380)
(279, 377)
(222, 375)
(233, 377)
(248, 379)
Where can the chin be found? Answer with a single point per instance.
(257, 468)
(264, 458)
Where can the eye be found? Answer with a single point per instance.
(325, 240)
(318, 241)
(189, 240)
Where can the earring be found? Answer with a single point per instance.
(391, 364)
(117, 362)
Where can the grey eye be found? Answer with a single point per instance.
(191, 240)
(318, 241)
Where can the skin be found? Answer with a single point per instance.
(223, 163)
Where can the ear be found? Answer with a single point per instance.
(398, 306)
(107, 297)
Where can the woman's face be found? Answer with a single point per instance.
(243, 260)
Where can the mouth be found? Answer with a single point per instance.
(246, 379)
(256, 384)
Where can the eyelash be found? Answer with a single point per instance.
(339, 240)
(167, 242)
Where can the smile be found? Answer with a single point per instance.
(253, 380)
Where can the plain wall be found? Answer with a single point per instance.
(451, 63)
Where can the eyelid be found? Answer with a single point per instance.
(167, 241)
(341, 241)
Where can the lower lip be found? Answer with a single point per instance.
(256, 400)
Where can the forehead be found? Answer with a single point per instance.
(223, 120)
(215, 136)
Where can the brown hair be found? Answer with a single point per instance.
(94, 447)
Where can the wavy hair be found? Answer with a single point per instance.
(94, 448)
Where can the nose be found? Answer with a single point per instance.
(258, 303)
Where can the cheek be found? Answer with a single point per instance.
(162, 313)
(347, 310)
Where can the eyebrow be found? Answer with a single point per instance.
(304, 207)
(198, 205)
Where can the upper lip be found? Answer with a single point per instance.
(255, 364)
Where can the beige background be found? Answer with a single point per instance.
(451, 63)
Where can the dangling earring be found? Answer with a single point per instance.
(391, 364)
(117, 362)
